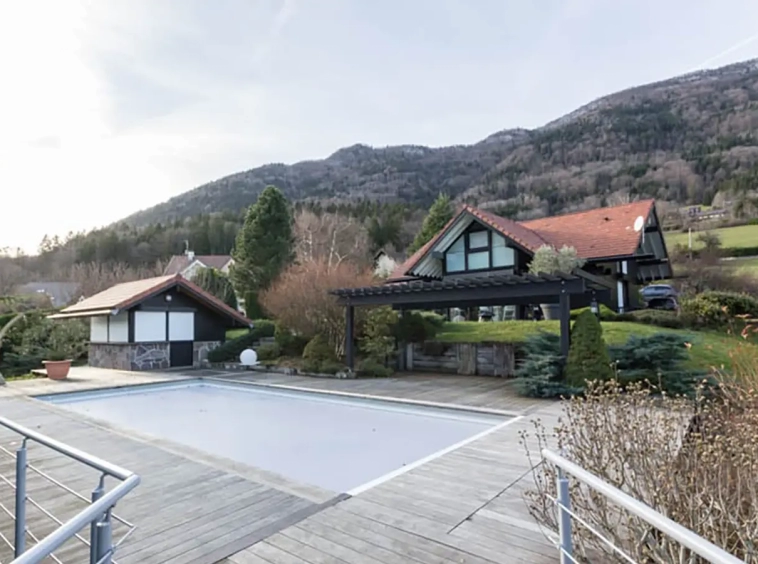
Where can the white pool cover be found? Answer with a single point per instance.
(337, 443)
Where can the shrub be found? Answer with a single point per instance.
(373, 369)
(300, 299)
(434, 319)
(318, 350)
(540, 372)
(699, 471)
(606, 313)
(548, 259)
(588, 357)
(658, 359)
(413, 327)
(701, 311)
(378, 341)
(657, 317)
(331, 367)
(269, 351)
(217, 284)
(231, 349)
(253, 309)
(290, 343)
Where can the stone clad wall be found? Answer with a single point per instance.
(485, 359)
(200, 350)
(130, 356)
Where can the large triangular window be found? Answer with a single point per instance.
(478, 250)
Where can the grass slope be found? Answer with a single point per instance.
(709, 349)
(731, 237)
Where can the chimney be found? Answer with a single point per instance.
(190, 255)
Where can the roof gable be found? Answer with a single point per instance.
(180, 263)
(129, 294)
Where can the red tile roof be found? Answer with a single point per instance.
(178, 263)
(598, 233)
(128, 294)
(595, 234)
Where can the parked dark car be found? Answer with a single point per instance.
(657, 291)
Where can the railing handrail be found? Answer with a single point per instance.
(71, 452)
(681, 534)
(63, 533)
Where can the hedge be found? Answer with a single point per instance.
(230, 351)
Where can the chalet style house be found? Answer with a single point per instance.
(622, 244)
(189, 264)
(480, 259)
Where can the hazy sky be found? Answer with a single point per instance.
(110, 106)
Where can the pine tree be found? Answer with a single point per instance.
(217, 284)
(588, 357)
(265, 244)
(439, 214)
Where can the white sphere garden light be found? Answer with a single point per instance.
(248, 357)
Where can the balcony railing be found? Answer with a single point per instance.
(708, 551)
(98, 512)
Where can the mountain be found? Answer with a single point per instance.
(686, 140)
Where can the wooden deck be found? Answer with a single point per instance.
(185, 510)
(465, 506)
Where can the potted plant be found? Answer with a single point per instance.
(57, 365)
(549, 260)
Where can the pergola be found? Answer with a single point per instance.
(575, 289)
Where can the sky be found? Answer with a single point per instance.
(111, 106)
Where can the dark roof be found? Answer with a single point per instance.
(595, 234)
(129, 294)
(179, 263)
(503, 287)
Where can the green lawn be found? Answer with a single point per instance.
(731, 237)
(745, 265)
(709, 349)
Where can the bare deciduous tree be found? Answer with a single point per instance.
(95, 277)
(11, 275)
(330, 238)
(301, 301)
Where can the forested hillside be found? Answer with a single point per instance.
(684, 140)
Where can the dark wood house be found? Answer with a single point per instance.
(156, 323)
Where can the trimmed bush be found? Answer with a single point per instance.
(378, 340)
(269, 351)
(290, 344)
(413, 327)
(372, 369)
(331, 367)
(588, 357)
(318, 350)
(657, 317)
(540, 373)
(231, 349)
(606, 313)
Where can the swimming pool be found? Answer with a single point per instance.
(335, 442)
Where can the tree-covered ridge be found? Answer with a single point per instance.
(685, 140)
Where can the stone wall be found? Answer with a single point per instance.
(486, 359)
(130, 356)
(200, 350)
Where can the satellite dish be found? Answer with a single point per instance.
(248, 357)
(639, 223)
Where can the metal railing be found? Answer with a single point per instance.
(698, 545)
(98, 513)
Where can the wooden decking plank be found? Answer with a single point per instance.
(329, 546)
(308, 553)
(270, 554)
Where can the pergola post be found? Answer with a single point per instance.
(349, 337)
(402, 352)
(565, 311)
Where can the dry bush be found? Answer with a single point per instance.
(694, 461)
(301, 301)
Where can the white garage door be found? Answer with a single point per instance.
(181, 326)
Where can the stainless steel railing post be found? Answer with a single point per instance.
(564, 517)
(19, 544)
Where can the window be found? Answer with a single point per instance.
(478, 240)
(479, 250)
(479, 260)
(455, 258)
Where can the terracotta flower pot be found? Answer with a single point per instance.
(57, 369)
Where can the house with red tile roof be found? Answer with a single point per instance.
(623, 244)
